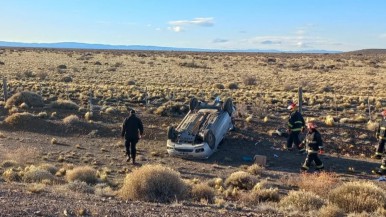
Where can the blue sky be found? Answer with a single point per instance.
(216, 24)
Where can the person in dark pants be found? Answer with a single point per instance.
(380, 152)
(314, 144)
(132, 131)
(381, 136)
(295, 125)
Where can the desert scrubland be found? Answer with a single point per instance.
(62, 155)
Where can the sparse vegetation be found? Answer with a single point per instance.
(241, 180)
(71, 119)
(203, 192)
(302, 201)
(153, 183)
(29, 98)
(83, 174)
(37, 175)
(64, 104)
(358, 197)
(162, 83)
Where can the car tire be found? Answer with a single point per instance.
(228, 106)
(210, 139)
(193, 104)
(171, 133)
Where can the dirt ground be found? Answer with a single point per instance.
(100, 145)
(259, 84)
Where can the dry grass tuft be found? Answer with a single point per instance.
(372, 125)
(320, 184)
(80, 187)
(54, 141)
(29, 98)
(104, 190)
(331, 211)
(36, 188)
(10, 175)
(9, 163)
(203, 191)
(111, 111)
(20, 119)
(259, 195)
(64, 104)
(153, 183)
(358, 197)
(232, 86)
(71, 120)
(301, 201)
(88, 116)
(83, 173)
(21, 155)
(241, 180)
(218, 86)
(255, 169)
(50, 168)
(36, 174)
(329, 121)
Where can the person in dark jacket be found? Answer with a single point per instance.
(295, 125)
(381, 136)
(313, 143)
(380, 152)
(132, 131)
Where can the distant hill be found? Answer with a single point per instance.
(76, 45)
(368, 51)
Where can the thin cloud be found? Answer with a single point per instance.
(176, 28)
(181, 25)
(201, 21)
(219, 40)
(270, 42)
(292, 41)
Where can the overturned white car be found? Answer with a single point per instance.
(202, 129)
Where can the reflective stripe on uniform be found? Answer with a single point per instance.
(320, 166)
(382, 137)
(321, 147)
(305, 167)
(298, 122)
(383, 167)
(378, 153)
(296, 129)
(312, 151)
(290, 125)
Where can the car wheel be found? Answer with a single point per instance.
(171, 133)
(193, 104)
(228, 106)
(210, 139)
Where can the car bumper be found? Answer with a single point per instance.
(186, 150)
